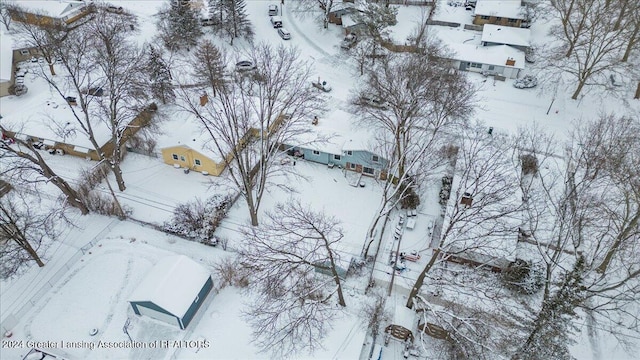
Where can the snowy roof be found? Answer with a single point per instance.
(347, 21)
(506, 35)
(43, 113)
(511, 9)
(340, 128)
(183, 129)
(6, 57)
(491, 55)
(172, 284)
(53, 8)
(488, 231)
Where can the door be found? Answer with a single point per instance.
(170, 319)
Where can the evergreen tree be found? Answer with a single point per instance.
(235, 22)
(550, 333)
(161, 86)
(179, 25)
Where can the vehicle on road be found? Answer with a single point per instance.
(284, 33)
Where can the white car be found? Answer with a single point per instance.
(273, 10)
(284, 33)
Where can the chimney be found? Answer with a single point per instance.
(511, 62)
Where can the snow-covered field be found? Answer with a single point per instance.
(94, 268)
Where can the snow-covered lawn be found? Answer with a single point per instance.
(93, 269)
(93, 293)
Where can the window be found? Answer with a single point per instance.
(336, 157)
(484, 17)
(352, 166)
(182, 158)
(512, 21)
(174, 156)
(24, 52)
(368, 171)
(197, 162)
(349, 153)
(316, 152)
(476, 65)
(498, 19)
(492, 67)
(375, 158)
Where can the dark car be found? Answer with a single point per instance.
(245, 65)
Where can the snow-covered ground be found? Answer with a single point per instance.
(95, 266)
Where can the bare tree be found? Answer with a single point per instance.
(24, 229)
(105, 74)
(6, 9)
(311, 6)
(22, 160)
(484, 212)
(375, 313)
(590, 45)
(294, 307)
(254, 116)
(423, 99)
(583, 218)
(43, 38)
(208, 65)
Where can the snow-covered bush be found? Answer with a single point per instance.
(445, 191)
(230, 273)
(522, 277)
(198, 220)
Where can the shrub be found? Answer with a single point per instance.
(445, 190)
(198, 220)
(529, 164)
(410, 200)
(230, 273)
(522, 277)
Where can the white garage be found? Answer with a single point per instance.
(172, 291)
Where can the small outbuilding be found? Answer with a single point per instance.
(173, 291)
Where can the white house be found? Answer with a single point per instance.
(498, 60)
(518, 38)
(173, 291)
(6, 64)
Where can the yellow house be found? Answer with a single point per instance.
(185, 157)
(49, 13)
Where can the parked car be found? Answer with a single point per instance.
(245, 65)
(349, 41)
(372, 101)
(615, 80)
(530, 55)
(114, 9)
(276, 21)
(273, 10)
(526, 82)
(207, 22)
(321, 85)
(284, 33)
